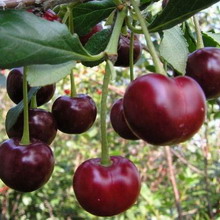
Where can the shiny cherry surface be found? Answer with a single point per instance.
(107, 190)
(162, 110)
(203, 65)
(42, 126)
(119, 123)
(74, 115)
(25, 168)
(14, 88)
(123, 50)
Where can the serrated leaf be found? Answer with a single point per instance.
(87, 15)
(178, 11)
(174, 48)
(14, 112)
(209, 41)
(26, 39)
(41, 75)
(96, 44)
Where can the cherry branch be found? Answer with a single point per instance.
(173, 181)
(22, 4)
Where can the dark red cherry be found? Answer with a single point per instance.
(107, 190)
(163, 110)
(42, 126)
(203, 65)
(119, 123)
(14, 88)
(25, 168)
(123, 50)
(95, 29)
(74, 115)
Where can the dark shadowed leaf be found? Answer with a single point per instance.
(26, 39)
(178, 11)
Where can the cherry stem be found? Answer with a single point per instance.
(70, 20)
(105, 158)
(131, 56)
(73, 85)
(199, 43)
(156, 60)
(112, 47)
(25, 140)
(34, 102)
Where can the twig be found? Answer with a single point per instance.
(22, 4)
(207, 185)
(182, 159)
(173, 181)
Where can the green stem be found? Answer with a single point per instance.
(25, 140)
(73, 86)
(105, 158)
(34, 102)
(112, 47)
(117, 2)
(153, 52)
(199, 43)
(131, 56)
(70, 20)
(131, 27)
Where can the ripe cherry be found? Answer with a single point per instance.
(84, 39)
(123, 50)
(106, 190)
(42, 126)
(74, 115)
(14, 88)
(25, 168)
(203, 65)
(119, 123)
(163, 110)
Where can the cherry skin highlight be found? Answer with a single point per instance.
(106, 190)
(163, 110)
(203, 65)
(42, 126)
(119, 123)
(25, 168)
(74, 115)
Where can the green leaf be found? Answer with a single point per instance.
(87, 15)
(190, 38)
(212, 39)
(174, 48)
(26, 39)
(96, 44)
(178, 11)
(14, 112)
(41, 75)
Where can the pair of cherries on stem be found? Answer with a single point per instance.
(167, 111)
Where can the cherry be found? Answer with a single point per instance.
(163, 110)
(123, 50)
(25, 168)
(14, 88)
(84, 39)
(49, 15)
(119, 123)
(203, 65)
(106, 190)
(74, 115)
(42, 126)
